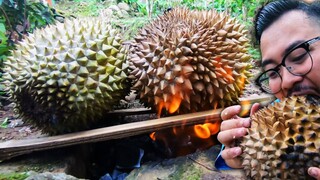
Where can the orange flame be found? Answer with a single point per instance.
(242, 82)
(153, 136)
(171, 106)
(160, 107)
(191, 136)
(175, 104)
(202, 131)
(205, 130)
(246, 106)
(175, 130)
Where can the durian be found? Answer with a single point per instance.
(189, 60)
(283, 140)
(64, 77)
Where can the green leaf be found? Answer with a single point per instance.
(3, 49)
(5, 123)
(3, 40)
(3, 37)
(2, 27)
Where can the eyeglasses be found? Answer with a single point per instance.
(297, 61)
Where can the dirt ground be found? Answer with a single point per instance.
(12, 127)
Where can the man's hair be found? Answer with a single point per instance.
(273, 10)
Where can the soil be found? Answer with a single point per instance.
(12, 127)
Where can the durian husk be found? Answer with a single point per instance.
(195, 59)
(65, 77)
(283, 140)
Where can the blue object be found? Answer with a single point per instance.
(219, 163)
(275, 101)
(106, 177)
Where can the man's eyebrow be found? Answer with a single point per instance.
(266, 62)
(291, 46)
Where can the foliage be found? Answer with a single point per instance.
(17, 18)
(4, 48)
(130, 27)
(255, 53)
(13, 176)
(5, 123)
(243, 10)
(21, 17)
(137, 6)
(82, 8)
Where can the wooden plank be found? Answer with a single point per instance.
(135, 111)
(14, 148)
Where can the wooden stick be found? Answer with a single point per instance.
(17, 147)
(14, 148)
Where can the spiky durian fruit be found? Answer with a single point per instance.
(283, 140)
(65, 76)
(190, 60)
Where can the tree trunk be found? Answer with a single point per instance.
(149, 7)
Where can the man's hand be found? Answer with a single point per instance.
(314, 172)
(233, 127)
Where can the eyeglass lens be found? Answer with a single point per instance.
(298, 62)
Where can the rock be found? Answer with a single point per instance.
(131, 97)
(114, 8)
(51, 176)
(124, 6)
(106, 13)
(124, 14)
(119, 14)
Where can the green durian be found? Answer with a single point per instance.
(64, 77)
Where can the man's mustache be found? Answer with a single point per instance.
(298, 88)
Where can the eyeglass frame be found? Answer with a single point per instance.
(305, 45)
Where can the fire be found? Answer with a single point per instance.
(241, 82)
(171, 105)
(175, 104)
(153, 136)
(202, 131)
(246, 106)
(184, 139)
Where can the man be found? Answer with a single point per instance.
(288, 32)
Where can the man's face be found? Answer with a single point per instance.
(292, 29)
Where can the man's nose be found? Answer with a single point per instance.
(288, 80)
